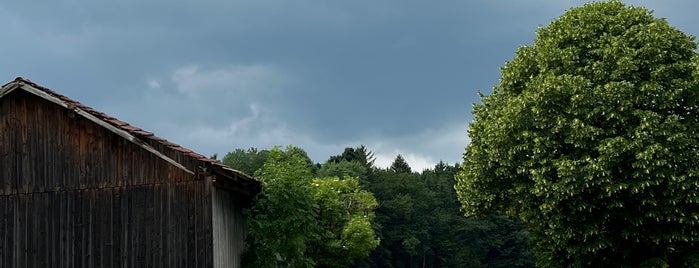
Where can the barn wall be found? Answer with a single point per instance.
(228, 228)
(143, 226)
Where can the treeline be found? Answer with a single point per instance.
(346, 212)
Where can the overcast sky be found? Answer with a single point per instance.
(397, 76)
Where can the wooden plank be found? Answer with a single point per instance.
(57, 156)
(84, 227)
(77, 236)
(206, 207)
(117, 229)
(64, 214)
(53, 227)
(139, 226)
(160, 198)
(124, 221)
(200, 224)
(107, 221)
(75, 165)
(12, 231)
(22, 232)
(171, 221)
(41, 137)
(104, 165)
(129, 237)
(15, 155)
(8, 241)
(22, 169)
(4, 249)
(5, 148)
(30, 146)
(31, 231)
(97, 226)
(88, 228)
(179, 212)
(70, 222)
(148, 230)
(6, 231)
(87, 139)
(44, 237)
(139, 171)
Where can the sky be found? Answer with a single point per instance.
(399, 77)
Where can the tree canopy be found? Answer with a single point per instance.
(301, 221)
(247, 161)
(592, 138)
(282, 221)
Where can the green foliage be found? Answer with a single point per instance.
(421, 226)
(282, 219)
(345, 214)
(360, 155)
(402, 218)
(400, 166)
(359, 238)
(343, 168)
(301, 221)
(248, 161)
(488, 241)
(592, 139)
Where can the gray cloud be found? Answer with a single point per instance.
(397, 76)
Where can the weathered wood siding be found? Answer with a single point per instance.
(162, 225)
(44, 147)
(228, 226)
(74, 194)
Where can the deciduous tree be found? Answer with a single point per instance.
(592, 139)
(301, 221)
(345, 213)
(247, 161)
(282, 219)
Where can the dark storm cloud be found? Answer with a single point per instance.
(398, 76)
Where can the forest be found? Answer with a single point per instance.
(415, 218)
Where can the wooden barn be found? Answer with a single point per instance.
(79, 188)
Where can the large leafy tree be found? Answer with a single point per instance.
(282, 221)
(592, 139)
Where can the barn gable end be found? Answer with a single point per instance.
(79, 188)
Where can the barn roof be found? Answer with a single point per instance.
(134, 134)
